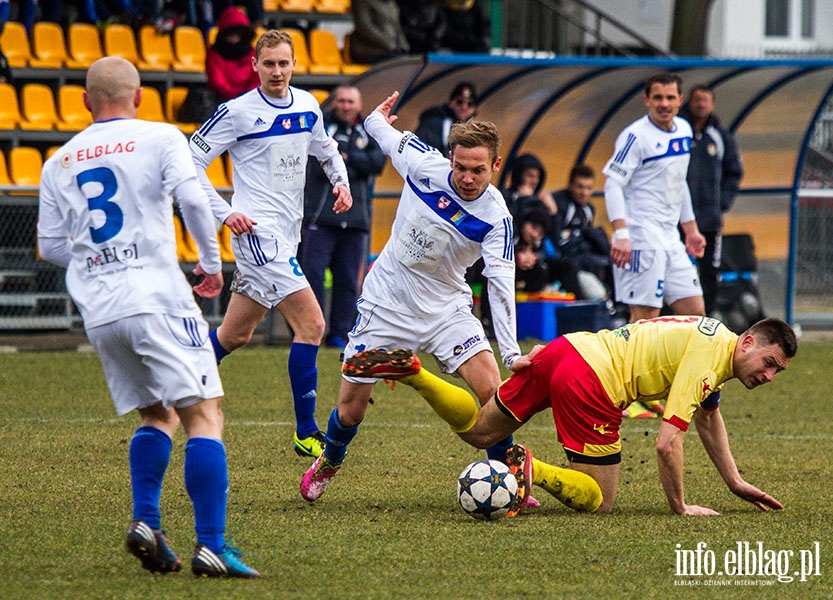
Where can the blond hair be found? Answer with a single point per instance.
(475, 134)
(271, 39)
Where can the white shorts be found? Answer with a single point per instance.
(265, 272)
(452, 337)
(654, 276)
(157, 358)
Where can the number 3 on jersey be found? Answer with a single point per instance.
(113, 215)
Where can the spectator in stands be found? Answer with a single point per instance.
(435, 123)
(526, 188)
(423, 24)
(714, 174)
(539, 265)
(575, 235)
(378, 34)
(228, 63)
(468, 27)
(339, 241)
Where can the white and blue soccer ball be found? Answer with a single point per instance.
(487, 489)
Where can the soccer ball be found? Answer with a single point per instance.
(487, 489)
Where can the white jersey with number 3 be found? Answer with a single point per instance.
(103, 190)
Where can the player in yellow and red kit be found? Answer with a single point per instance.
(589, 378)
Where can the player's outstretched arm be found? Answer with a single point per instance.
(670, 464)
(712, 431)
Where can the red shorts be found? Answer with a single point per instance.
(586, 420)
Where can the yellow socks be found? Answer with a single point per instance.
(455, 405)
(577, 490)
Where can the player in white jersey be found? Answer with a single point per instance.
(415, 296)
(646, 196)
(106, 215)
(268, 133)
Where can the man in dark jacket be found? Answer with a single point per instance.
(714, 174)
(340, 241)
(435, 123)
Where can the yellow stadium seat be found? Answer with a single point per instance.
(74, 116)
(25, 165)
(38, 107)
(297, 5)
(332, 6)
(216, 173)
(15, 44)
(319, 94)
(186, 247)
(9, 107)
(4, 171)
(224, 237)
(271, 6)
(229, 169)
(48, 46)
(189, 48)
(259, 31)
(157, 53)
(119, 40)
(302, 60)
(84, 45)
(150, 108)
(174, 98)
(323, 52)
(212, 35)
(348, 66)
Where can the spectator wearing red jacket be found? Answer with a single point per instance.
(228, 63)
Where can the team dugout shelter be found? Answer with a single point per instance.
(570, 110)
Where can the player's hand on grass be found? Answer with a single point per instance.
(240, 223)
(699, 511)
(211, 285)
(344, 199)
(386, 106)
(757, 497)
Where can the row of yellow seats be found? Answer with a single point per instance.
(26, 163)
(184, 50)
(37, 108)
(322, 6)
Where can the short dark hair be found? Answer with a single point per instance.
(464, 89)
(775, 331)
(580, 171)
(701, 87)
(663, 79)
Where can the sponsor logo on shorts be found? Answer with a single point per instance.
(200, 143)
(460, 348)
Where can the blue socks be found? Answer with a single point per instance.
(219, 352)
(206, 479)
(150, 451)
(303, 377)
(338, 437)
(498, 451)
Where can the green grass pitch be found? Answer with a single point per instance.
(389, 526)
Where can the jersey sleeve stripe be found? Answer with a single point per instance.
(221, 112)
(508, 247)
(620, 156)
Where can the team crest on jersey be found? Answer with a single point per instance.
(287, 123)
(443, 202)
(675, 146)
(66, 160)
(708, 326)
